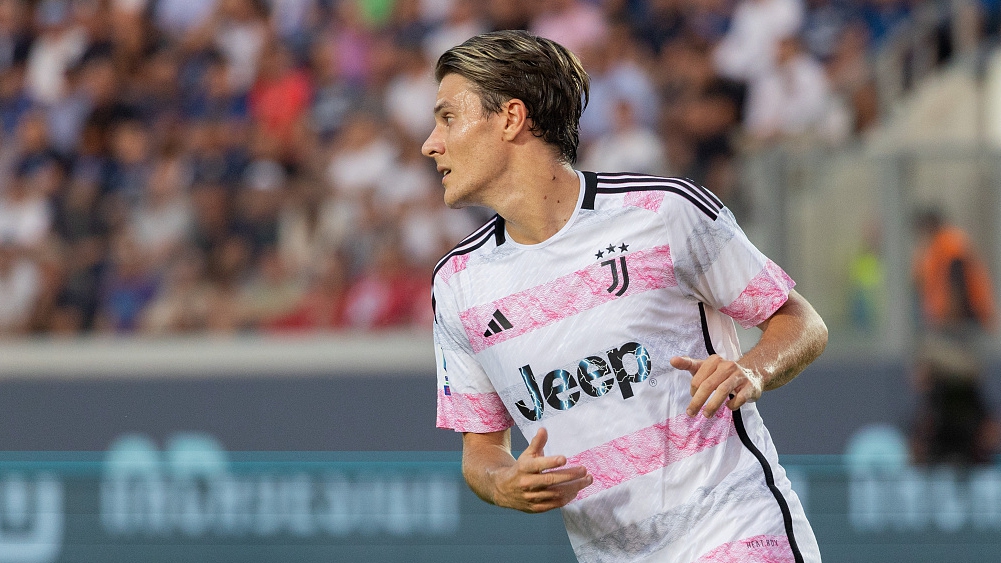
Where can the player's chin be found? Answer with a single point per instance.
(455, 199)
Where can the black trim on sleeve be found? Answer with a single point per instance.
(704, 190)
(499, 237)
(470, 243)
(623, 182)
(738, 422)
(590, 190)
(641, 182)
(693, 199)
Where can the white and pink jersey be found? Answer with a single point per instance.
(575, 334)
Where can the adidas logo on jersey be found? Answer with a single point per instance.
(595, 377)
(498, 324)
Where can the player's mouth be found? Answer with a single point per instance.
(444, 172)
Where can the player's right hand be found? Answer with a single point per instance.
(536, 482)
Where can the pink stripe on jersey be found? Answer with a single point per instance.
(650, 200)
(454, 265)
(762, 296)
(766, 549)
(652, 448)
(569, 295)
(472, 412)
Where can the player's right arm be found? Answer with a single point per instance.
(533, 482)
(468, 403)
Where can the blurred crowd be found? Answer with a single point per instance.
(178, 166)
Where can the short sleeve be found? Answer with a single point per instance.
(467, 401)
(715, 263)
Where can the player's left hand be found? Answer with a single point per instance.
(716, 381)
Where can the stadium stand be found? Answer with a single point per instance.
(172, 167)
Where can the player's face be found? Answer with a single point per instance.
(465, 144)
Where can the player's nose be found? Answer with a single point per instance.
(433, 145)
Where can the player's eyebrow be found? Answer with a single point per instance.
(441, 106)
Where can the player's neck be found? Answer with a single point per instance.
(539, 202)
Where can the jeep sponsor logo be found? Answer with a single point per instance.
(595, 376)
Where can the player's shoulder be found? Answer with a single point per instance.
(647, 191)
(488, 236)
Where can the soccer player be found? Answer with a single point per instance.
(595, 311)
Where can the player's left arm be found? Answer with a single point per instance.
(791, 339)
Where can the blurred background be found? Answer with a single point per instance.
(217, 233)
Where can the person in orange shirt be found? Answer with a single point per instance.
(953, 423)
(953, 282)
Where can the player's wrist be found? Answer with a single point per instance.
(756, 377)
(497, 478)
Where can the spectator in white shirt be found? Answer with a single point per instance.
(19, 288)
(629, 147)
(792, 99)
(748, 50)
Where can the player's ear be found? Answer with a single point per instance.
(515, 116)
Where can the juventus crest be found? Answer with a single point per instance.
(617, 265)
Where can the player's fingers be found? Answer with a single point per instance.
(737, 399)
(536, 508)
(686, 363)
(538, 444)
(570, 489)
(538, 464)
(701, 393)
(567, 490)
(706, 369)
(563, 475)
(543, 481)
(743, 394)
(556, 497)
(699, 399)
(720, 394)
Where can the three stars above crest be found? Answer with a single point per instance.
(610, 249)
